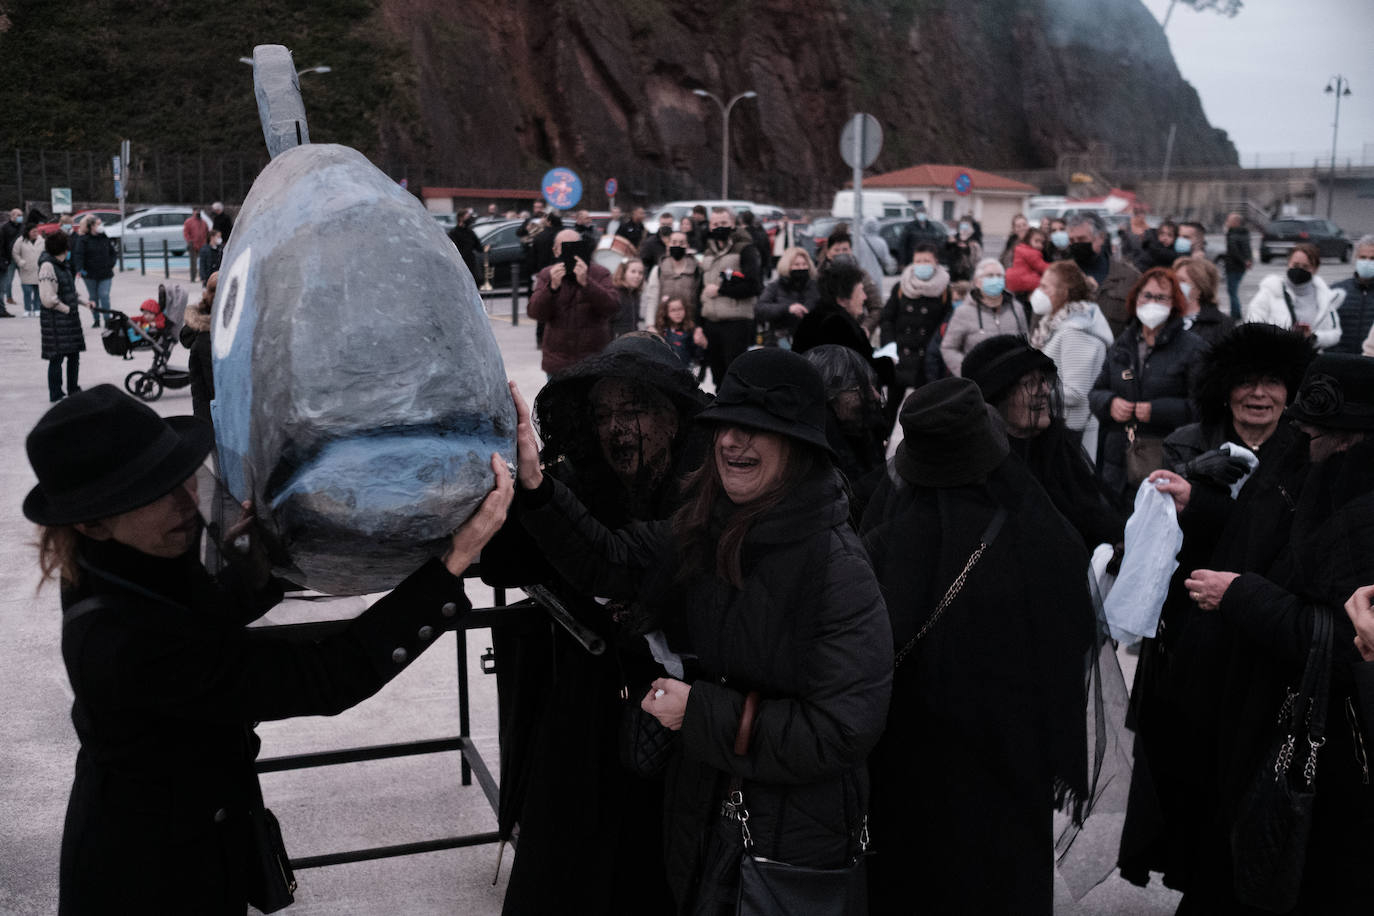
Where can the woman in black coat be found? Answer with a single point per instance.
(987, 733)
(59, 320)
(1143, 392)
(167, 681)
(616, 430)
(788, 687)
(913, 314)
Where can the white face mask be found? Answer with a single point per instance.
(1040, 302)
(1187, 289)
(1152, 314)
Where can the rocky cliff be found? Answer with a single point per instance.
(489, 93)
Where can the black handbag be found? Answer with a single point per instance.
(645, 743)
(1273, 823)
(271, 884)
(771, 888)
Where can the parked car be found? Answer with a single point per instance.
(108, 217)
(891, 230)
(681, 208)
(152, 227)
(447, 221)
(506, 250)
(1282, 234)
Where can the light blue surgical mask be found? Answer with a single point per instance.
(1182, 245)
(1364, 268)
(1059, 238)
(926, 271)
(921, 217)
(992, 286)
(965, 227)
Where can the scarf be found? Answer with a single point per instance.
(913, 287)
(1047, 326)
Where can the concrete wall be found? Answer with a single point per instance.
(1352, 206)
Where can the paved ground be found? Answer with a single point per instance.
(321, 810)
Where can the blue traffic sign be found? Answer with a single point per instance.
(611, 187)
(561, 188)
(963, 183)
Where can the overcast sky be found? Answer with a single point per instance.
(1261, 74)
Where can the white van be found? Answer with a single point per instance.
(876, 204)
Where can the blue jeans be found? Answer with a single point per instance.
(55, 375)
(99, 291)
(1233, 290)
(31, 303)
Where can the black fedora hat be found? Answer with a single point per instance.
(774, 390)
(99, 453)
(1336, 393)
(951, 437)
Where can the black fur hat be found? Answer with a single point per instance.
(1246, 351)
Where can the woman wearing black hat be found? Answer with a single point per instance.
(617, 430)
(986, 586)
(1272, 620)
(1245, 381)
(167, 681)
(1022, 383)
(759, 577)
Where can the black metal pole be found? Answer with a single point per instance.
(515, 294)
(142, 264)
(166, 261)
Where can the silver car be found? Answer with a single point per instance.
(152, 227)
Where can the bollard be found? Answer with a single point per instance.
(515, 294)
(142, 264)
(120, 247)
(166, 261)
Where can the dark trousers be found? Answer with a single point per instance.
(1233, 279)
(726, 340)
(55, 375)
(193, 255)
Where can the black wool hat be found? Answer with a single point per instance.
(1247, 351)
(998, 363)
(951, 437)
(774, 390)
(1337, 393)
(100, 453)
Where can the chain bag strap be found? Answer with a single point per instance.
(1273, 823)
(984, 542)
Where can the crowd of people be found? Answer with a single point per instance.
(852, 618)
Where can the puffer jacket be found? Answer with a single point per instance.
(817, 647)
(1271, 305)
(1028, 265)
(974, 321)
(1164, 379)
(60, 319)
(777, 298)
(1078, 347)
(98, 257)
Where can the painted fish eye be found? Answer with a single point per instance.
(229, 303)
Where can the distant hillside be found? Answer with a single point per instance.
(491, 93)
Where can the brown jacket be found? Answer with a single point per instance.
(1111, 295)
(577, 319)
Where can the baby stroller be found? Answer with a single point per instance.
(156, 331)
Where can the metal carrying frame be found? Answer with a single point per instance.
(472, 763)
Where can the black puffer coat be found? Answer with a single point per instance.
(1164, 378)
(817, 647)
(62, 332)
(98, 257)
(913, 324)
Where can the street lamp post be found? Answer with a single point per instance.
(1339, 86)
(725, 108)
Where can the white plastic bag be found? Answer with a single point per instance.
(1244, 454)
(1152, 542)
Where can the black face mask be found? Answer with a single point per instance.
(721, 234)
(677, 252)
(1082, 254)
(799, 277)
(1299, 275)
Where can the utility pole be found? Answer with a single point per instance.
(725, 108)
(1340, 86)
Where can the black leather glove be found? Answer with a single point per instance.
(1216, 467)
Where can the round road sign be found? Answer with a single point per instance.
(561, 188)
(963, 183)
(611, 187)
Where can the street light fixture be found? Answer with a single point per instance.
(1338, 86)
(322, 68)
(725, 108)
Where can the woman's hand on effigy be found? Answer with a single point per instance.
(473, 534)
(528, 471)
(666, 701)
(243, 540)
